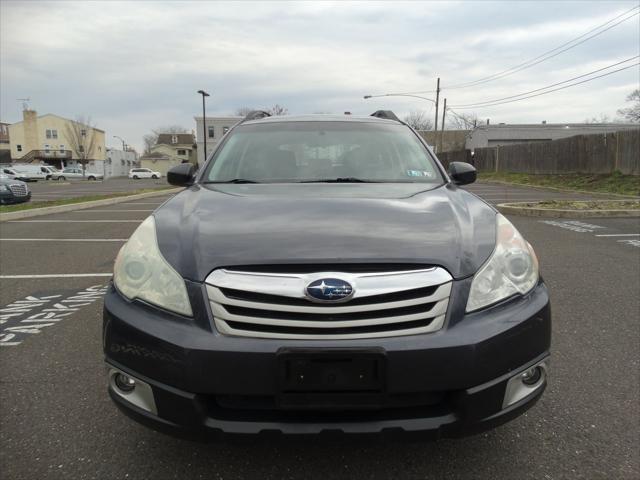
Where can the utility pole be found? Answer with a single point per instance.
(444, 113)
(437, 100)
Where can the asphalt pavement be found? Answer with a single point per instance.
(57, 421)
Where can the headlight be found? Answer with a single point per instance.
(4, 187)
(511, 269)
(142, 272)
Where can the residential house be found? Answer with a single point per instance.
(216, 128)
(54, 140)
(171, 149)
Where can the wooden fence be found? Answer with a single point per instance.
(599, 153)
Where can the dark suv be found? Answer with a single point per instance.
(325, 273)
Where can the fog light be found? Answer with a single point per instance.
(125, 383)
(531, 376)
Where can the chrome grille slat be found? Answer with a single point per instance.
(215, 295)
(386, 316)
(18, 190)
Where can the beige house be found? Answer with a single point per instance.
(171, 149)
(54, 140)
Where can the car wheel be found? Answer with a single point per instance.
(135, 177)
(155, 177)
(91, 177)
(48, 177)
(61, 178)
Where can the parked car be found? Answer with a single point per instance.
(326, 273)
(73, 173)
(13, 190)
(137, 173)
(26, 172)
(9, 172)
(51, 173)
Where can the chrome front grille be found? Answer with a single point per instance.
(18, 190)
(274, 305)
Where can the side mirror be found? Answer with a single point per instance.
(462, 173)
(181, 175)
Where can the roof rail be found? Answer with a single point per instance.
(255, 115)
(388, 114)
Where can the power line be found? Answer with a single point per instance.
(548, 86)
(546, 55)
(555, 89)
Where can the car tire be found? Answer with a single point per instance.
(48, 177)
(91, 177)
(61, 178)
(155, 177)
(135, 177)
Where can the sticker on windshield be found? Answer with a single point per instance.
(420, 173)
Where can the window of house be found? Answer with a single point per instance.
(211, 132)
(182, 152)
(47, 147)
(225, 130)
(81, 148)
(174, 139)
(19, 148)
(83, 132)
(54, 133)
(61, 148)
(48, 133)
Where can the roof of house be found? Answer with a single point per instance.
(58, 116)
(154, 156)
(183, 139)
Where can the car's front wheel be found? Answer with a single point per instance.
(61, 178)
(135, 177)
(48, 177)
(155, 177)
(91, 177)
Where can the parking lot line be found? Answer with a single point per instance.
(620, 235)
(110, 211)
(63, 239)
(74, 221)
(58, 275)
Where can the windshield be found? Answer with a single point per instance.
(286, 152)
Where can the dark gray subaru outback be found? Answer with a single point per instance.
(325, 273)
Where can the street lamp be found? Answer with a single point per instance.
(366, 97)
(123, 142)
(204, 123)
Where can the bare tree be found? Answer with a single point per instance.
(278, 110)
(462, 121)
(150, 139)
(632, 113)
(417, 119)
(81, 137)
(244, 111)
(602, 118)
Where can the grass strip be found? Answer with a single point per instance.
(69, 201)
(613, 183)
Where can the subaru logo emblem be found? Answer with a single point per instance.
(329, 290)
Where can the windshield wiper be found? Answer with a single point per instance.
(235, 180)
(340, 180)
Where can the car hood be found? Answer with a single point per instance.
(210, 226)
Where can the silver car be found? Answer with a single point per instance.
(77, 173)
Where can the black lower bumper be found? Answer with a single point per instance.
(7, 197)
(447, 383)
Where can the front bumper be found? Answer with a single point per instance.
(7, 197)
(450, 383)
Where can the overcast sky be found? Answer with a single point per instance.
(135, 66)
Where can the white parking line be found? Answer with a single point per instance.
(142, 203)
(59, 275)
(110, 211)
(63, 239)
(74, 221)
(620, 235)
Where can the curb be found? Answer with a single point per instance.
(34, 212)
(519, 208)
(557, 189)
